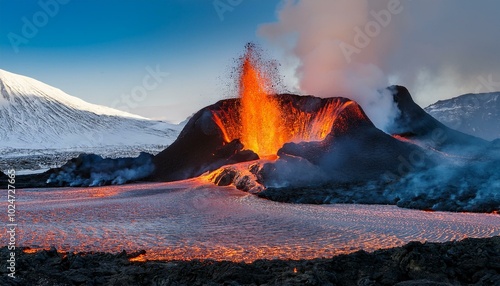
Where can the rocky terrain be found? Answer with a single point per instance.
(88, 170)
(474, 114)
(38, 116)
(202, 145)
(423, 164)
(467, 262)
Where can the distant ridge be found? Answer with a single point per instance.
(474, 114)
(35, 115)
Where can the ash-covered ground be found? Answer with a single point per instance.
(197, 220)
(416, 163)
(31, 161)
(466, 262)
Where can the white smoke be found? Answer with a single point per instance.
(351, 48)
(320, 34)
(446, 187)
(94, 170)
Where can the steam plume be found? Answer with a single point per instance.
(312, 31)
(437, 50)
(93, 170)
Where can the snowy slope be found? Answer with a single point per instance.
(34, 115)
(474, 114)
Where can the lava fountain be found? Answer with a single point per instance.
(260, 113)
(264, 123)
(256, 125)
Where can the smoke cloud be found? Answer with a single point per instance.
(472, 187)
(315, 32)
(93, 170)
(353, 48)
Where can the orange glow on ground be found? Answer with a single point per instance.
(140, 258)
(32, 250)
(102, 192)
(194, 219)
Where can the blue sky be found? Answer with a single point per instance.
(105, 51)
(101, 50)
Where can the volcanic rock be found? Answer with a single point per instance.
(353, 151)
(93, 170)
(424, 165)
(29, 181)
(476, 114)
(200, 147)
(467, 262)
(415, 124)
(353, 148)
(4, 180)
(89, 170)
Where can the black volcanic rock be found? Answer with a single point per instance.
(425, 165)
(415, 124)
(88, 170)
(200, 147)
(471, 261)
(474, 114)
(34, 180)
(3, 180)
(354, 150)
(27, 181)
(94, 170)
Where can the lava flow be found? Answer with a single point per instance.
(264, 122)
(260, 112)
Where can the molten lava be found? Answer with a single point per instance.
(261, 129)
(264, 122)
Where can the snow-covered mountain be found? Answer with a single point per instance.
(34, 115)
(474, 114)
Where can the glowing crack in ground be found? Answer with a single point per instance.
(192, 219)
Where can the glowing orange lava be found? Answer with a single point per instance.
(260, 113)
(140, 258)
(32, 250)
(264, 122)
